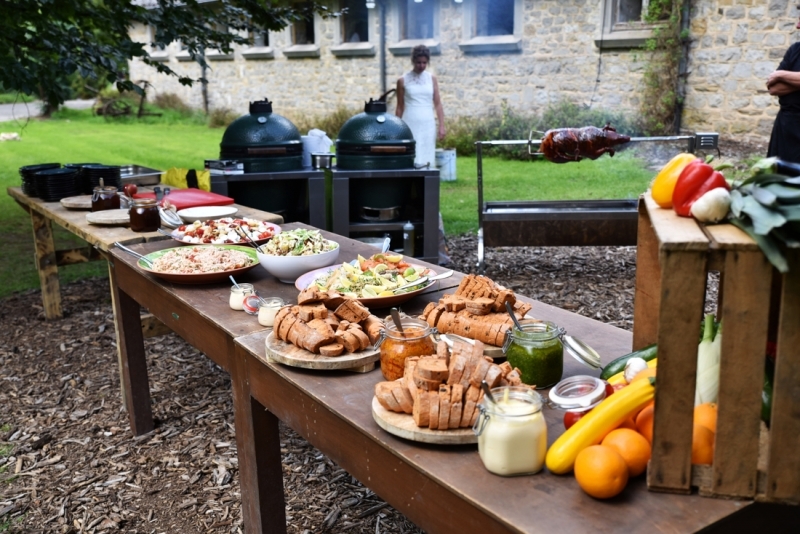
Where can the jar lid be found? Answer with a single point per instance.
(582, 352)
(271, 302)
(250, 304)
(578, 393)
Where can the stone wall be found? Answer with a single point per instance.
(735, 44)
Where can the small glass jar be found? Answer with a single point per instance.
(105, 198)
(415, 340)
(144, 215)
(512, 433)
(537, 352)
(238, 294)
(268, 309)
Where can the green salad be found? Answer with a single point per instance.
(299, 242)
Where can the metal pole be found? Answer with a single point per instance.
(382, 15)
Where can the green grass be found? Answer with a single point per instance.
(11, 98)
(175, 140)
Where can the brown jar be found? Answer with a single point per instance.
(415, 340)
(144, 215)
(105, 198)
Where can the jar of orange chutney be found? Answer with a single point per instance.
(396, 346)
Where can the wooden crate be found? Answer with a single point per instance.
(673, 257)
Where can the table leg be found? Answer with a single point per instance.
(132, 361)
(259, 450)
(46, 265)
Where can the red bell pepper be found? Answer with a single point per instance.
(695, 180)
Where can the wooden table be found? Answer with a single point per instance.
(200, 314)
(440, 488)
(48, 259)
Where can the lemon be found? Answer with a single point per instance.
(394, 258)
(369, 292)
(386, 294)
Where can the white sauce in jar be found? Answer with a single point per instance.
(238, 294)
(268, 310)
(514, 441)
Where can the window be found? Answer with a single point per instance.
(416, 19)
(259, 38)
(494, 17)
(623, 24)
(158, 52)
(301, 34)
(303, 31)
(355, 27)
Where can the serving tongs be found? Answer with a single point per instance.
(169, 217)
(423, 280)
(147, 261)
(249, 239)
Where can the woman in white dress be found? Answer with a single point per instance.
(417, 99)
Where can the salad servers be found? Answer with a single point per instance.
(134, 253)
(244, 235)
(425, 279)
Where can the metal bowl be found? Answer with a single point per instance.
(380, 214)
(322, 160)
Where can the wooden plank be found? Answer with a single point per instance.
(683, 285)
(152, 327)
(744, 315)
(783, 474)
(46, 265)
(647, 298)
(675, 233)
(77, 255)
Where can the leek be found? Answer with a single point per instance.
(708, 356)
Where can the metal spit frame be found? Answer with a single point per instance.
(700, 141)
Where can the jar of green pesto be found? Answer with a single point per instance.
(536, 350)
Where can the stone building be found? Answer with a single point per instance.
(485, 52)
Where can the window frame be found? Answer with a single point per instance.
(403, 46)
(156, 53)
(301, 51)
(472, 43)
(361, 48)
(259, 51)
(622, 34)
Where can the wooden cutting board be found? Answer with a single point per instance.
(81, 202)
(402, 425)
(109, 217)
(293, 356)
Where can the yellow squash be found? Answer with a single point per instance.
(619, 378)
(592, 427)
(664, 183)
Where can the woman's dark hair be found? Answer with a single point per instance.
(420, 51)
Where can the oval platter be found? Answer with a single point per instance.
(275, 231)
(199, 278)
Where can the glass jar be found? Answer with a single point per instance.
(512, 433)
(268, 309)
(415, 340)
(144, 215)
(536, 351)
(238, 294)
(105, 198)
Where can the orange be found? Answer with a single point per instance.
(630, 423)
(702, 445)
(644, 373)
(637, 412)
(601, 471)
(632, 446)
(644, 422)
(706, 414)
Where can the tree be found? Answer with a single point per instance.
(42, 41)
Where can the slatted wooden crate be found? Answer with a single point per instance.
(673, 257)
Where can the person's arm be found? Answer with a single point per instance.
(783, 82)
(437, 105)
(401, 98)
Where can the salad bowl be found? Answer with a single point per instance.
(295, 252)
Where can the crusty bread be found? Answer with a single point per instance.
(309, 312)
(493, 376)
(363, 340)
(286, 324)
(276, 325)
(333, 299)
(352, 310)
(350, 341)
(426, 384)
(443, 351)
(468, 370)
(444, 407)
(310, 295)
(343, 325)
(321, 326)
(506, 368)
(433, 316)
(479, 373)
(383, 392)
(421, 412)
(332, 320)
(433, 421)
(458, 363)
(428, 308)
(456, 405)
(332, 349)
(515, 379)
(432, 369)
(402, 396)
(373, 326)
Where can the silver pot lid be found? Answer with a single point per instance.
(582, 352)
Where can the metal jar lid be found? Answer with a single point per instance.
(581, 352)
(578, 393)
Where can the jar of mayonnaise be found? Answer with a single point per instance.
(238, 294)
(268, 309)
(512, 434)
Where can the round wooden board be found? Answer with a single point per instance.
(402, 425)
(109, 217)
(82, 202)
(293, 356)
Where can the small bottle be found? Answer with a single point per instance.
(268, 309)
(408, 239)
(238, 294)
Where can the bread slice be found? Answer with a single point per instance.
(276, 325)
(444, 407)
(421, 411)
(470, 403)
(479, 373)
(363, 340)
(352, 310)
(426, 384)
(333, 299)
(456, 405)
(515, 379)
(458, 363)
(433, 317)
(310, 295)
(288, 320)
(309, 312)
(493, 376)
(506, 368)
(383, 392)
(331, 349)
(350, 341)
(373, 326)
(428, 308)
(321, 326)
(432, 369)
(332, 320)
(433, 422)
(443, 351)
(402, 396)
(343, 325)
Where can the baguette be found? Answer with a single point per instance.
(468, 370)
(333, 299)
(276, 325)
(352, 310)
(286, 325)
(309, 312)
(444, 407)
(433, 317)
(350, 341)
(343, 325)
(493, 376)
(428, 308)
(321, 326)
(310, 295)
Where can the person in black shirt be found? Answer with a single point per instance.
(785, 84)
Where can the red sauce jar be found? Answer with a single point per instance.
(415, 340)
(105, 198)
(144, 215)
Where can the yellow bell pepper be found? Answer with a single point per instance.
(592, 427)
(664, 183)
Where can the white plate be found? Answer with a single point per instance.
(205, 213)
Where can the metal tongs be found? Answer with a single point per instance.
(169, 216)
(145, 259)
(244, 235)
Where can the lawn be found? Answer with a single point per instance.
(161, 143)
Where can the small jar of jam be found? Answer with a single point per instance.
(105, 198)
(144, 215)
(396, 346)
(537, 351)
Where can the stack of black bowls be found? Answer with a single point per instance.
(83, 181)
(29, 178)
(111, 175)
(54, 184)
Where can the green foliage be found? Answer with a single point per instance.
(463, 132)
(661, 97)
(43, 46)
(15, 98)
(173, 102)
(329, 123)
(221, 117)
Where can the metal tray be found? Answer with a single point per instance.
(137, 174)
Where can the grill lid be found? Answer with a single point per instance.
(375, 132)
(262, 133)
